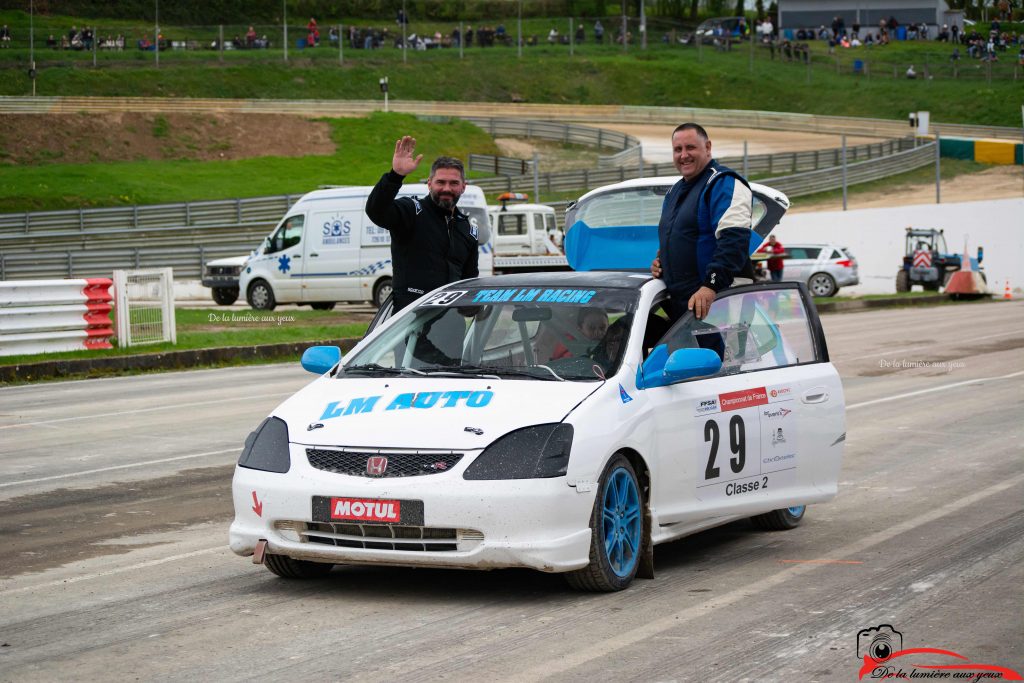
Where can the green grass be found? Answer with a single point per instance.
(213, 328)
(364, 151)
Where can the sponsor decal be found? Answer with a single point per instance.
(374, 235)
(626, 398)
(376, 465)
(880, 649)
(562, 296)
(707, 405)
(336, 230)
(734, 400)
(423, 400)
(779, 392)
(778, 437)
(777, 412)
(416, 203)
(473, 230)
(443, 298)
(284, 264)
(366, 510)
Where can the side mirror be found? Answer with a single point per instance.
(320, 359)
(661, 369)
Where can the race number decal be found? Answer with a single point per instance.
(747, 443)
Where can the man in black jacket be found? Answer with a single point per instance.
(432, 242)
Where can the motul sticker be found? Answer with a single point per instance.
(362, 510)
(734, 400)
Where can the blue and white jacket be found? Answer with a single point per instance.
(704, 239)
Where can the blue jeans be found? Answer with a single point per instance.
(776, 275)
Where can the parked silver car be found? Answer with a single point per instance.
(824, 267)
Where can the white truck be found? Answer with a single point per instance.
(525, 236)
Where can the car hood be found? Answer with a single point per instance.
(229, 261)
(427, 412)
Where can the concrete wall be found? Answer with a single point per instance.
(876, 238)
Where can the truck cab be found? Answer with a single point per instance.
(524, 229)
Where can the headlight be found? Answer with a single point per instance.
(535, 452)
(267, 448)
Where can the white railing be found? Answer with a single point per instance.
(47, 316)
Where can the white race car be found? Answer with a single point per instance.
(555, 421)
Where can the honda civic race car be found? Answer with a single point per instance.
(555, 421)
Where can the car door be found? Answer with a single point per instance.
(284, 251)
(755, 436)
(331, 258)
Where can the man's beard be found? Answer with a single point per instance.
(447, 202)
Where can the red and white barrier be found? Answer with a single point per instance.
(46, 316)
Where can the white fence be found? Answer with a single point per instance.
(47, 316)
(145, 307)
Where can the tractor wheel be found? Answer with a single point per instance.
(903, 281)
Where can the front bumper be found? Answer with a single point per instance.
(540, 524)
(220, 281)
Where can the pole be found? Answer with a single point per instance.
(462, 37)
(519, 38)
(284, 4)
(751, 39)
(220, 43)
(341, 44)
(643, 28)
(625, 26)
(844, 173)
(572, 38)
(405, 24)
(95, 41)
(938, 168)
(156, 32)
(32, 45)
(746, 161)
(536, 177)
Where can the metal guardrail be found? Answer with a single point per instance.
(730, 118)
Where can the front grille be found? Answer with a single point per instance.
(354, 463)
(223, 270)
(389, 537)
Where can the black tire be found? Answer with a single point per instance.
(225, 296)
(780, 520)
(600, 575)
(288, 568)
(381, 291)
(261, 296)
(903, 281)
(822, 284)
(322, 306)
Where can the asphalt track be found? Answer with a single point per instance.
(114, 506)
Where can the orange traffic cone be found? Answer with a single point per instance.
(1006, 291)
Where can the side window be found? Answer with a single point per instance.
(812, 252)
(288, 235)
(835, 254)
(796, 252)
(511, 224)
(550, 222)
(751, 331)
(538, 224)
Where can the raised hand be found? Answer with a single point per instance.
(403, 162)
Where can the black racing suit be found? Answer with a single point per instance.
(430, 246)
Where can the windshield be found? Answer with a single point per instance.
(540, 333)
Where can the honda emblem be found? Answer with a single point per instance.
(376, 465)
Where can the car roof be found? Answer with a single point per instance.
(567, 279)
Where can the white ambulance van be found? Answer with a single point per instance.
(326, 249)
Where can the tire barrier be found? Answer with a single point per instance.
(47, 316)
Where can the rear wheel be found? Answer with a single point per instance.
(617, 532)
(903, 281)
(381, 291)
(322, 306)
(260, 296)
(288, 568)
(780, 520)
(822, 284)
(225, 296)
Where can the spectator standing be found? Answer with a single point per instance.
(469, 36)
(432, 242)
(598, 32)
(704, 231)
(402, 18)
(5, 36)
(955, 33)
(911, 74)
(581, 34)
(777, 253)
(313, 33)
(553, 36)
(250, 38)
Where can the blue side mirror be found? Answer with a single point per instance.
(320, 359)
(689, 363)
(661, 369)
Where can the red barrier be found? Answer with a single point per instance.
(98, 327)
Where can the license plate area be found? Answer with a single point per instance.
(355, 510)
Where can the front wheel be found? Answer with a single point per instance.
(616, 532)
(288, 568)
(780, 520)
(260, 296)
(903, 281)
(225, 296)
(822, 284)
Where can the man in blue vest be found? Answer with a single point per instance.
(704, 232)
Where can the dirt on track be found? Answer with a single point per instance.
(90, 138)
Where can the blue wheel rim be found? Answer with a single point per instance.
(622, 522)
(797, 511)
